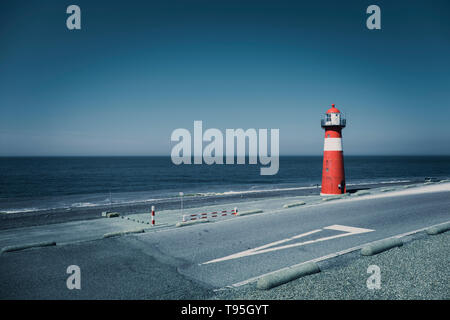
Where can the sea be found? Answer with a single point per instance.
(33, 184)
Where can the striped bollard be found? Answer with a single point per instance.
(153, 216)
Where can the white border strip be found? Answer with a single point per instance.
(332, 144)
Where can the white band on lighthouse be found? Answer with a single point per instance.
(332, 144)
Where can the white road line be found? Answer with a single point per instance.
(252, 251)
(271, 246)
(352, 230)
(285, 240)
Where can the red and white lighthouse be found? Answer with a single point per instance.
(333, 176)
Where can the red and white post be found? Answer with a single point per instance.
(153, 216)
(333, 176)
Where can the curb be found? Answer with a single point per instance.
(361, 193)
(244, 213)
(438, 229)
(283, 276)
(28, 246)
(121, 233)
(295, 204)
(143, 222)
(380, 246)
(329, 198)
(188, 223)
(136, 220)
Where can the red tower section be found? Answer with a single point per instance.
(333, 176)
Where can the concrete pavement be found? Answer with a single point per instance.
(204, 243)
(112, 268)
(419, 270)
(68, 232)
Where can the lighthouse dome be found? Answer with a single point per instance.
(333, 109)
(333, 118)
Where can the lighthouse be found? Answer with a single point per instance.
(333, 176)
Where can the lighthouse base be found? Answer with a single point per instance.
(332, 194)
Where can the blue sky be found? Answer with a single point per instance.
(137, 70)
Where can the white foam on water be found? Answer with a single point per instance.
(122, 200)
(430, 188)
(378, 182)
(20, 210)
(83, 205)
(231, 192)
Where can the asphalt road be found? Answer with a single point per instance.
(110, 268)
(203, 243)
(418, 270)
(170, 264)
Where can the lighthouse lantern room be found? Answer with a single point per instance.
(333, 176)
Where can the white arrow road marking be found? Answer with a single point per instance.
(267, 247)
